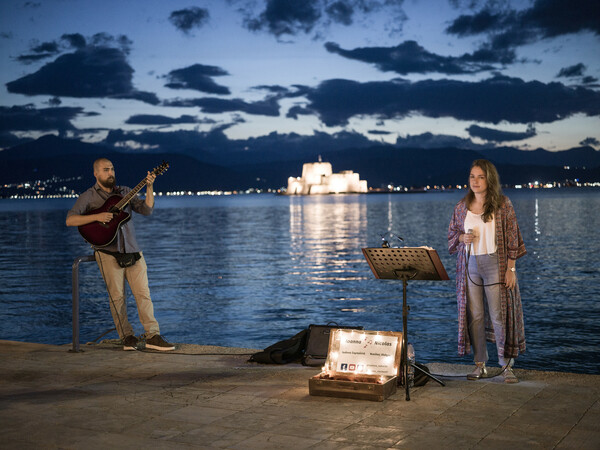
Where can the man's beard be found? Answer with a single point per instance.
(109, 183)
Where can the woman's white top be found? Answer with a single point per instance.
(484, 233)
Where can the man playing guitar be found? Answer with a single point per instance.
(118, 256)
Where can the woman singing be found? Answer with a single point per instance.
(485, 235)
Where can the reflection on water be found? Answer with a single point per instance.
(251, 270)
(325, 234)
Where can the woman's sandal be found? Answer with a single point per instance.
(509, 376)
(479, 372)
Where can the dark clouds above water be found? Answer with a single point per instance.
(187, 19)
(491, 134)
(91, 72)
(466, 86)
(27, 118)
(212, 105)
(293, 17)
(158, 119)
(509, 28)
(496, 99)
(197, 77)
(410, 57)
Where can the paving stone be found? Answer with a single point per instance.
(211, 397)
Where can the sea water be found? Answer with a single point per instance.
(250, 270)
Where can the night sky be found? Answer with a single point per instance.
(157, 75)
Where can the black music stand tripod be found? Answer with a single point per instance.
(406, 263)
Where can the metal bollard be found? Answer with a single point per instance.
(75, 284)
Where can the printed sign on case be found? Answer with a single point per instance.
(367, 354)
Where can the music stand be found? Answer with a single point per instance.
(407, 263)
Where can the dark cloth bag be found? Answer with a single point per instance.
(283, 352)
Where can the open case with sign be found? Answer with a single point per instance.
(360, 364)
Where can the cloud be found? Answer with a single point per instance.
(379, 132)
(492, 100)
(121, 41)
(29, 118)
(340, 12)
(197, 77)
(293, 17)
(54, 101)
(572, 71)
(46, 47)
(544, 19)
(49, 49)
(430, 140)
(40, 51)
(91, 72)
(287, 17)
(298, 110)
(410, 57)
(558, 17)
(157, 119)
(491, 134)
(187, 19)
(214, 145)
(74, 40)
(484, 21)
(590, 81)
(211, 105)
(31, 58)
(591, 141)
(578, 71)
(275, 89)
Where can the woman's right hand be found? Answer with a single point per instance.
(468, 238)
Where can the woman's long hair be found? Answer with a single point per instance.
(494, 197)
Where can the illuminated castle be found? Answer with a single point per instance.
(318, 178)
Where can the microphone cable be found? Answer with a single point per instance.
(468, 248)
(508, 365)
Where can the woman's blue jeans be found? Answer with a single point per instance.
(483, 270)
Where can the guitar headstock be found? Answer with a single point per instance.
(158, 170)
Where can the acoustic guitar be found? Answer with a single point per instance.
(102, 234)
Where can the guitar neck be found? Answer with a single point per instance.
(157, 171)
(130, 195)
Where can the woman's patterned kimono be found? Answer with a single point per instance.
(510, 245)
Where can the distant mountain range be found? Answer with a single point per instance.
(70, 162)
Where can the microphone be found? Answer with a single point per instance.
(385, 243)
(469, 231)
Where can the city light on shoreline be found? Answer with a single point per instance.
(25, 191)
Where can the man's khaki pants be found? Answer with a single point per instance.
(137, 277)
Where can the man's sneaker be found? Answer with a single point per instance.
(157, 342)
(130, 342)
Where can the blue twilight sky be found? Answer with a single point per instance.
(150, 74)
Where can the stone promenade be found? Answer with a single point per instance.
(210, 397)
